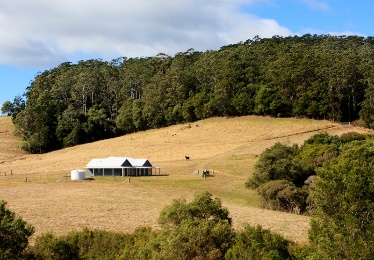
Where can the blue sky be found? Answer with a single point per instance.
(41, 34)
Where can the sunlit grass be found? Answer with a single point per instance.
(230, 147)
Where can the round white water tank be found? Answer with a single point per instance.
(77, 175)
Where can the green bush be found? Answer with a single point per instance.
(98, 244)
(141, 244)
(85, 244)
(197, 230)
(202, 207)
(279, 162)
(14, 233)
(50, 247)
(352, 136)
(320, 148)
(195, 239)
(283, 195)
(282, 172)
(258, 243)
(323, 138)
(343, 223)
(316, 154)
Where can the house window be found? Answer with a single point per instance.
(132, 172)
(117, 172)
(108, 172)
(98, 172)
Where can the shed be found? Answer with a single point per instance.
(120, 166)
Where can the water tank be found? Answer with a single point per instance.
(77, 175)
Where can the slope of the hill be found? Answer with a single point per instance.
(203, 141)
(229, 146)
(9, 149)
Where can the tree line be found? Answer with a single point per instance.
(313, 76)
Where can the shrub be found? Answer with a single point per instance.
(283, 195)
(49, 247)
(343, 223)
(197, 230)
(202, 207)
(323, 138)
(141, 244)
(316, 154)
(278, 163)
(258, 243)
(94, 244)
(14, 233)
(85, 244)
(351, 136)
(196, 239)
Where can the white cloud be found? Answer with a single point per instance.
(243, 27)
(46, 33)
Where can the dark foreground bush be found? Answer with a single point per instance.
(50, 247)
(280, 162)
(258, 243)
(200, 229)
(342, 226)
(94, 244)
(284, 196)
(14, 234)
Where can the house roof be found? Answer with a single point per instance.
(118, 162)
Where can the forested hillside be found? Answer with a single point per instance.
(320, 77)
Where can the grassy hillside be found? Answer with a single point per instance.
(229, 146)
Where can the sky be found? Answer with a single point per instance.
(39, 35)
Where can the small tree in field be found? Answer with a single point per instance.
(14, 234)
(197, 230)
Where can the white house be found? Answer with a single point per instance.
(120, 166)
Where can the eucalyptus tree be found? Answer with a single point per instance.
(154, 93)
(13, 108)
(7, 108)
(366, 53)
(36, 124)
(115, 93)
(124, 121)
(182, 81)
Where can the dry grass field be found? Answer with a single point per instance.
(50, 201)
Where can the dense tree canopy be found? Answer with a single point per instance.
(320, 77)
